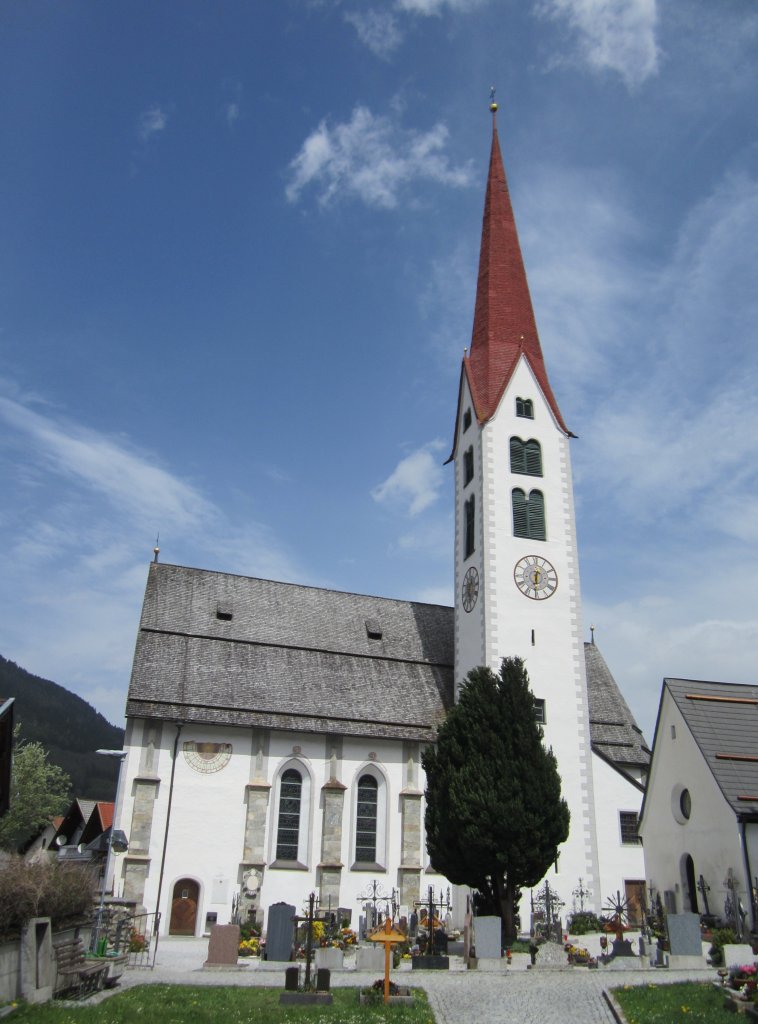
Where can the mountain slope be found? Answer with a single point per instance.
(67, 727)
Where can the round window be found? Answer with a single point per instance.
(685, 803)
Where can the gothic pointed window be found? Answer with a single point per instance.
(468, 466)
(288, 830)
(528, 514)
(468, 516)
(366, 819)
(525, 408)
(526, 457)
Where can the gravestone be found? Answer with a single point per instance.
(736, 954)
(370, 958)
(280, 932)
(685, 942)
(223, 945)
(487, 937)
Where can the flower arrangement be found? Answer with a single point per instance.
(249, 947)
(744, 977)
(577, 954)
(137, 942)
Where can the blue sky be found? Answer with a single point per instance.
(237, 270)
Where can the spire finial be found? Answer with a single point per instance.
(156, 549)
(493, 105)
(592, 634)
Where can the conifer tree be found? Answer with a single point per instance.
(494, 812)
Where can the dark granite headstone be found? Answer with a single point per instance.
(684, 934)
(224, 944)
(323, 979)
(280, 932)
(291, 979)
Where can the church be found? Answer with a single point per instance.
(274, 731)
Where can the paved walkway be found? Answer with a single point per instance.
(552, 993)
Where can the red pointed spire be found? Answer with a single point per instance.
(504, 325)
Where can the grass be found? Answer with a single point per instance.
(184, 1004)
(687, 1002)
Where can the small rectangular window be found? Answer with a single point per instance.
(468, 466)
(466, 420)
(525, 408)
(539, 710)
(629, 825)
(224, 613)
(373, 629)
(468, 515)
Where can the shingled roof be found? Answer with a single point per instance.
(615, 735)
(233, 650)
(723, 720)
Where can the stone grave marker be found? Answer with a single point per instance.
(685, 942)
(280, 932)
(223, 946)
(487, 938)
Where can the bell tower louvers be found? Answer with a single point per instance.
(516, 565)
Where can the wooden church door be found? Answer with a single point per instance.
(184, 907)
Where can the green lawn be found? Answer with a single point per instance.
(686, 1002)
(183, 1004)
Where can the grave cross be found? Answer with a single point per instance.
(431, 905)
(311, 916)
(703, 888)
(581, 894)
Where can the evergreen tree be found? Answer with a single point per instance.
(494, 812)
(39, 791)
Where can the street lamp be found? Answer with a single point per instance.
(117, 841)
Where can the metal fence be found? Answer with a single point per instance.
(119, 931)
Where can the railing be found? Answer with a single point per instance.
(119, 931)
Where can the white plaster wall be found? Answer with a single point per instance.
(470, 651)
(710, 837)
(619, 862)
(207, 827)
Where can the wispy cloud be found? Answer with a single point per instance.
(372, 159)
(151, 122)
(74, 545)
(610, 35)
(378, 30)
(416, 481)
(232, 113)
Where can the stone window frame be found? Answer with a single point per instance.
(382, 826)
(305, 830)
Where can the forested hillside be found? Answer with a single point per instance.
(67, 727)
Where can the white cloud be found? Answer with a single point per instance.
(611, 35)
(232, 113)
(129, 480)
(416, 481)
(378, 30)
(432, 7)
(152, 122)
(77, 538)
(370, 158)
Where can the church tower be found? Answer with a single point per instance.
(516, 567)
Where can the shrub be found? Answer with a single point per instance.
(62, 892)
(720, 937)
(584, 922)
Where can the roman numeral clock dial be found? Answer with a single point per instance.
(535, 577)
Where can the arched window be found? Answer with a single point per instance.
(525, 408)
(288, 828)
(468, 516)
(366, 819)
(528, 514)
(468, 466)
(526, 457)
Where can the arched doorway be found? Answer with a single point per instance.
(689, 874)
(184, 907)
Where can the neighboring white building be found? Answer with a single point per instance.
(275, 732)
(699, 822)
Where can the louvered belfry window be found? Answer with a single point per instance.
(526, 457)
(468, 509)
(528, 514)
(288, 833)
(365, 821)
(525, 408)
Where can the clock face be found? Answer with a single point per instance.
(470, 590)
(535, 577)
